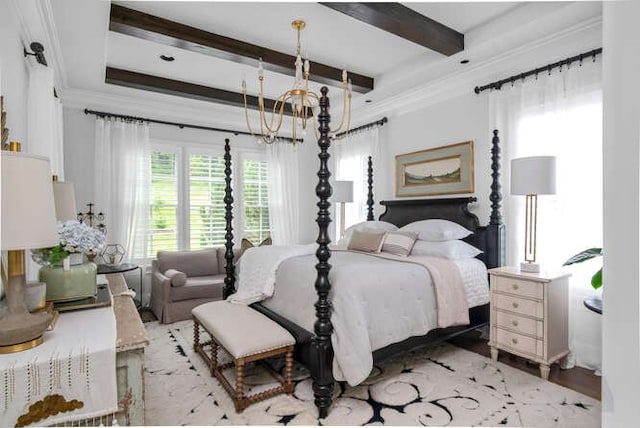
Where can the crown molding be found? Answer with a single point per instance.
(48, 22)
(463, 81)
(171, 108)
(36, 23)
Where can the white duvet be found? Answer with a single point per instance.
(375, 301)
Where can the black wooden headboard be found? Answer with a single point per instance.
(487, 238)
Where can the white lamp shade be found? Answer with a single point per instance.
(534, 175)
(65, 199)
(28, 210)
(343, 191)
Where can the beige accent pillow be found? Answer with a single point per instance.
(177, 278)
(399, 243)
(245, 244)
(366, 241)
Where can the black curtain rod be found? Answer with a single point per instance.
(498, 84)
(179, 125)
(378, 122)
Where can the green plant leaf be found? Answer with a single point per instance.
(596, 280)
(57, 254)
(584, 255)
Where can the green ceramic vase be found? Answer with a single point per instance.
(78, 282)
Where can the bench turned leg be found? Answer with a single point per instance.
(288, 373)
(239, 401)
(196, 335)
(214, 356)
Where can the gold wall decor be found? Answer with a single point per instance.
(4, 131)
(437, 171)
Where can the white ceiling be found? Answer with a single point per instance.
(332, 38)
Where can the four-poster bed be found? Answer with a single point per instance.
(314, 349)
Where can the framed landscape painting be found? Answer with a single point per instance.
(438, 171)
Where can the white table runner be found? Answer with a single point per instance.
(77, 361)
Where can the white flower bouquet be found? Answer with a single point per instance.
(75, 237)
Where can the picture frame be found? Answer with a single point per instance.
(438, 171)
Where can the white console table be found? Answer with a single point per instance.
(131, 339)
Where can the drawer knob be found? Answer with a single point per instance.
(515, 341)
(515, 286)
(515, 304)
(515, 323)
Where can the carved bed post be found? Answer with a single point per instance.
(323, 376)
(370, 192)
(230, 269)
(495, 229)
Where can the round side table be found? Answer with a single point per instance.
(593, 303)
(122, 268)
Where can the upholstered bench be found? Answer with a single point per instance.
(247, 336)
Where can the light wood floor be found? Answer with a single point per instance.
(578, 379)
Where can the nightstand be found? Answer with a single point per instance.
(529, 315)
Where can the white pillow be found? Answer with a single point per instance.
(437, 230)
(374, 225)
(453, 250)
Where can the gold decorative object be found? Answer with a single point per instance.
(48, 406)
(4, 131)
(302, 101)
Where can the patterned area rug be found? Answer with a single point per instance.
(441, 386)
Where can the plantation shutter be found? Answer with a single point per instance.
(164, 202)
(206, 201)
(256, 226)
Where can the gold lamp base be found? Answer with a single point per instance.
(18, 347)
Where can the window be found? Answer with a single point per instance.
(256, 200)
(187, 208)
(206, 201)
(163, 233)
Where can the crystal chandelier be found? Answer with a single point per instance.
(302, 101)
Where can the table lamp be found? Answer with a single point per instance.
(65, 200)
(532, 176)
(28, 222)
(342, 193)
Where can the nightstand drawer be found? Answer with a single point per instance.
(519, 324)
(519, 287)
(528, 307)
(519, 343)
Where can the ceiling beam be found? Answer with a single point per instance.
(149, 27)
(162, 85)
(406, 23)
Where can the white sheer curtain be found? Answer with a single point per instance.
(351, 156)
(122, 182)
(560, 114)
(44, 128)
(44, 119)
(284, 192)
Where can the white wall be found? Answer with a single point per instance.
(459, 119)
(14, 76)
(621, 297)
